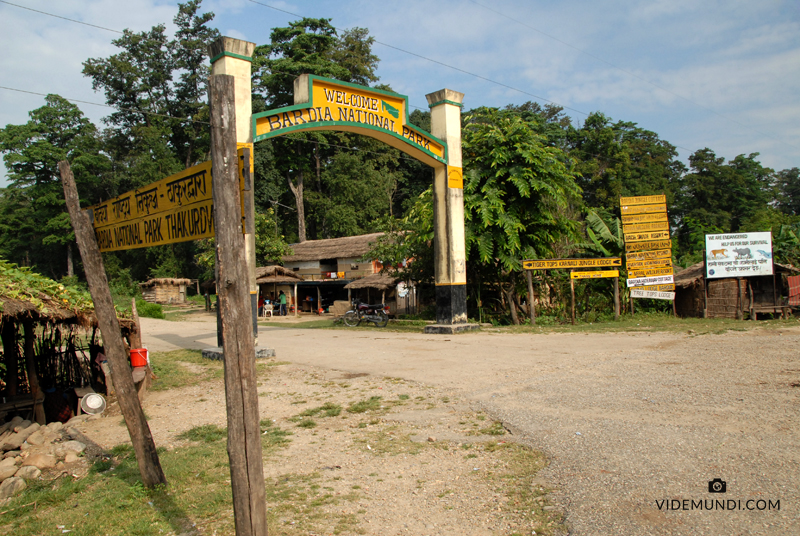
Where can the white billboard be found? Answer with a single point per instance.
(738, 255)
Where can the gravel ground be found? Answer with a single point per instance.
(628, 420)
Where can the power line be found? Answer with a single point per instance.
(185, 119)
(637, 77)
(60, 17)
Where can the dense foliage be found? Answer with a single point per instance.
(537, 183)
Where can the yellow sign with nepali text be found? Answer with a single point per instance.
(596, 274)
(327, 104)
(175, 209)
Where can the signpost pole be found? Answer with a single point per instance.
(141, 437)
(572, 294)
(241, 395)
(616, 298)
(530, 297)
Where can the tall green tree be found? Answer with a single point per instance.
(308, 46)
(622, 159)
(35, 229)
(788, 195)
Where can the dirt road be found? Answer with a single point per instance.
(635, 424)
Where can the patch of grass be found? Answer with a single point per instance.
(372, 404)
(149, 310)
(496, 428)
(388, 441)
(207, 433)
(328, 409)
(307, 423)
(403, 397)
(182, 368)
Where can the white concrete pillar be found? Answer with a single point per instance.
(448, 210)
(234, 57)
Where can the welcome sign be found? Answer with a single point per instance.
(326, 104)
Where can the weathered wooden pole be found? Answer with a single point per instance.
(141, 438)
(572, 294)
(233, 295)
(135, 337)
(531, 306)
(33, 379)
(616, 298)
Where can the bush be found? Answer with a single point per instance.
(149, 310)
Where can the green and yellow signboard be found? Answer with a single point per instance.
(326, 104)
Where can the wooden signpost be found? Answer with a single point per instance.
(141, 438)
(645, 227)
(571, 264)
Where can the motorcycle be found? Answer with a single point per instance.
(378, 314)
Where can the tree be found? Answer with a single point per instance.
(308, 46)
(34, 226)
(621, 159)
(788, 196)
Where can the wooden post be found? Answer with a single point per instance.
(630, 298)
(739, 299)
(241, 396)
(531, 305)
(705, 287)
(33, 379)
(572, 293)
(616, 298)
(10, 353)
(135, 338)
(752, 302)
(141, 438)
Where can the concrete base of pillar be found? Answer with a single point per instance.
(449, 329)
(217, 354)
(451, 304)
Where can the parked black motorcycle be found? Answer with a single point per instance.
(378, 314)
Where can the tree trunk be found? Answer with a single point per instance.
(319, 166)
(234, 305)
(297, 190)
(141, 437)
(512, 306)
(70, 265)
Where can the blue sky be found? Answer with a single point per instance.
(717, 74)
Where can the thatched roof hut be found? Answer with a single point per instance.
(165, 290)
(374, 281)
(729, 297)
(333, 248)
(276, 274)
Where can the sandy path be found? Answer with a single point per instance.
(628, 420)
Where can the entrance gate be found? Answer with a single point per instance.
(326, 104)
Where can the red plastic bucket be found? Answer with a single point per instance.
(139, 357)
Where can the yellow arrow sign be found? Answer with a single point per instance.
(646, 255)
(646, 246)
(643, 200)
(644, 209)
(642, 218)
(596, 274)
(554, 264)
(653, 272)
(646, 237)
(649, 263)
(647, 226)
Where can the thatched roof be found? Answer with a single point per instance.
(165, 281)
(376, 281)
(276, 274)
(332, 248)
(24, 294)
(696, 272)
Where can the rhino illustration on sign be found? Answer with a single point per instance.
(743, 253)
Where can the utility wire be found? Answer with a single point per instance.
(60, 17)
(184, 119)
(637, 77)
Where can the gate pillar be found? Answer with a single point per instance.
(448, 216)
(234, 57)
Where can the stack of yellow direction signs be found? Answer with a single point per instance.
(648, 249)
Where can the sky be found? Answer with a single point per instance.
(718, 74)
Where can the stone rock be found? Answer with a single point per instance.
(55, 426)
(17, 439)
(12, 454)
(49, 437)
(71, 457)
(42, 461)
(60, 465)
(8, 462)
(8, 472)
(22, 426)
(75, 446)
(36, 438)
(29, 472)
(77, 420)
(11, 486)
